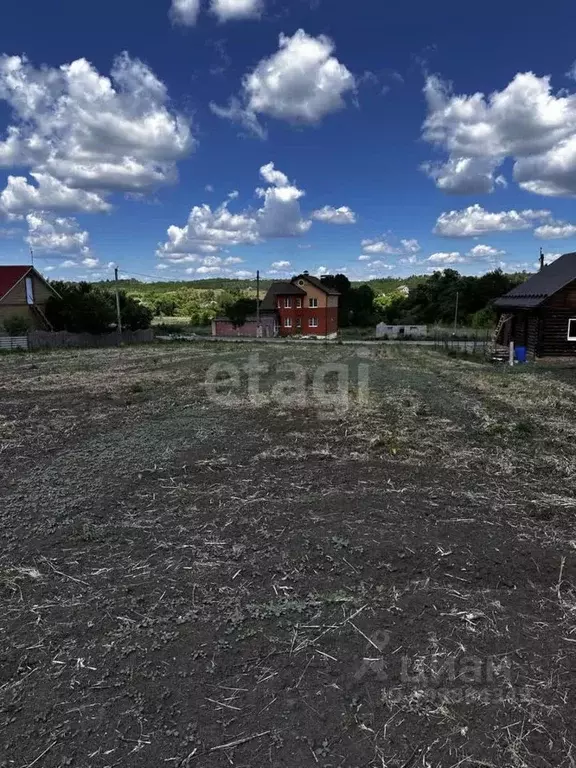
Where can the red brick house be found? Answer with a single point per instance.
(303, 307)
(24, 293)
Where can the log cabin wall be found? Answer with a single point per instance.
(532, 335)
(555, 314)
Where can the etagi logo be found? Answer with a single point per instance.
(330, 387)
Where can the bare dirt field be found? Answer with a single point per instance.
(278, 583)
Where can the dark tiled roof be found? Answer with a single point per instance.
(280, 289)
(9, 276)
(542, 285)
(318, 284)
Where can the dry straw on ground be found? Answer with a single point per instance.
(183, 584)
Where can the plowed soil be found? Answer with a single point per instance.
(383, 579)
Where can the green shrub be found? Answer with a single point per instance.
(170, 328)
(17, 325)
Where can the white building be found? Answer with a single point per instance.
(398, 331)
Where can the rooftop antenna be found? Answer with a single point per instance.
(32, 255)
(541, 259)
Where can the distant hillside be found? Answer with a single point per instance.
(430, 298)
(380, 285)
(208, 284)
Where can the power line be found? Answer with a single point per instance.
(156, 278)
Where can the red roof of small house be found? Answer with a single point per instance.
(9, 276)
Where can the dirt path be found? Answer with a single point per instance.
(182, 583)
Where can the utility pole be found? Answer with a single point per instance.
(118, 313)
(456, 311)
(32, 255)
(258, 326)
(541, 259)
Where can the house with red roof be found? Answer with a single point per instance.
(24, 293)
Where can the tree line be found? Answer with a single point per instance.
(447, 295)
(418, 300)
(436, 299)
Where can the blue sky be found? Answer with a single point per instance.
(197, 138)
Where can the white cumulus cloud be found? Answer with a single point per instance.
(302, 82)
(281, 265)
(555, 230)
(185, 12)
(48, 194)
(453, 257)
(227, 10)
(485, 252)
(51, 234)
(83, 134)
(280, 215)
(330, 215)
(474, 221)
(526, 121)
(382, 246)
(208, 231)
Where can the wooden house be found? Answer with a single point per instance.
(24, 293)
(540, 314)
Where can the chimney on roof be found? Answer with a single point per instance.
(541, 259)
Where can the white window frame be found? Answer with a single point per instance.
(313, 322)
(313, 303)
(298, 322)
(570, 338)
(287, 322)
(287, 303)
(29, 290)
(298, 303)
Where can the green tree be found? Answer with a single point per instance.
(135, 315)
(362, 306)
(239, 310)
(484, 318)
(85, 308)
(165, 306)
(340, 283)
(81, 308)
(16, 325)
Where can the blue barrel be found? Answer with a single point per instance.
(521, 354)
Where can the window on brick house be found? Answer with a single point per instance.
(313, 303)
(288, 303)
(287, 322)
(572, 329)
(298, 303)
(313, 322)
(298, 322)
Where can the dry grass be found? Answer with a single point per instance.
(382, 581)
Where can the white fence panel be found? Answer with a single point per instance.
(13, 342)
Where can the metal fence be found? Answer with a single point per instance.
(13, 342)
(65, 340)
(479, 343)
